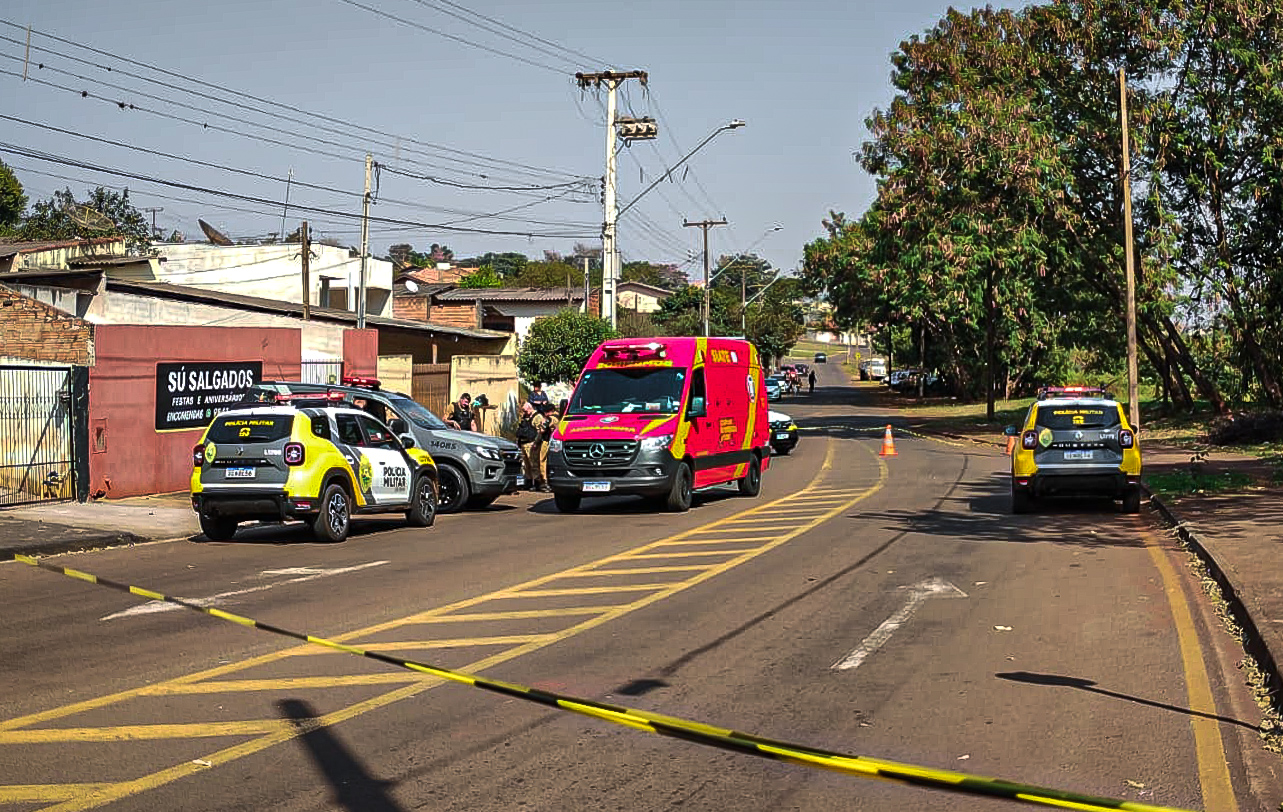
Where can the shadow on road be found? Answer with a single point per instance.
(353, 787)
(1057, 681)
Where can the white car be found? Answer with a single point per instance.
(775, 388)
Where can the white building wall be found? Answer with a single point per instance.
(276, 272)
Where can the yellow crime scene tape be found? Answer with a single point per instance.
(675, 727)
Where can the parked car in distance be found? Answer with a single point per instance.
(821, 358)
(876, 369)
(775, 386)
(783, 433)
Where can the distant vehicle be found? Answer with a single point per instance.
(1075, 441)
(660, 418)
(783, 433)
(875, 368)
(821, 358)
(899, 379)
(775, 386)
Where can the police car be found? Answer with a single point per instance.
(1075, 441)
(309, 461)
(475, 469)
(783, 432)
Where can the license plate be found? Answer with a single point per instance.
(596, 487)
(1079, 455)
(240, 473)
(781, 435)
(521, 480)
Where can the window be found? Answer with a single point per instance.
(1061, 417)
(377, 434)
(349, 430)
(260, 428)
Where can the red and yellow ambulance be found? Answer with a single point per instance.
(660, 418)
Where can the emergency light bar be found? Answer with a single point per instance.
(1071, 391)
(358, 380)
(316, 398)
(636, 351)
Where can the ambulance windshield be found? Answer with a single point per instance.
(630, 390)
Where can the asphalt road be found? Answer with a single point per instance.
(886, 607)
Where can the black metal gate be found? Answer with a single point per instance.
(37, 434)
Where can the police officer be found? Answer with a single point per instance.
(529, 427)
(460, 416)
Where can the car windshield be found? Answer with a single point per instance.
(633, 390)
(243, 428)
(416, 413)
(1076, 416)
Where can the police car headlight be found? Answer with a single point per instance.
(554, 445)
(487, 452)
(657, 443)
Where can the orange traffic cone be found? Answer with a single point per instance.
(888, 445)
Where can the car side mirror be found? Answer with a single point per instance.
(406, 439)
(697, 408)
(398, 426)
(1011, 431)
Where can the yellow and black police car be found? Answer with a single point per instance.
(1075, 441)
(309, 461)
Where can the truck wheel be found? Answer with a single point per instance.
(331, 524)
(682, 490)
(751, 484)
(423, 504)
(567, 502)
(1131, 499)
(453, 490)
(217, 528)
(1020, 500)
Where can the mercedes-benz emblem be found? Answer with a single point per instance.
(597, 451)
(1078, 435)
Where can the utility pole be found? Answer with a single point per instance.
(307, 279)
(705, 225)
(587, 286)
(609, 253)
(365, 242)
(153, 211)
(1133, 371)
(288, 183)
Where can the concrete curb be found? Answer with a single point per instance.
(79, 544)
(1253, 643)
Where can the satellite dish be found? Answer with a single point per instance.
(89, 218)
(412, 286)
(215, 236)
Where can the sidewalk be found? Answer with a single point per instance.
(61, 527)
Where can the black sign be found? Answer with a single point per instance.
(189, 395)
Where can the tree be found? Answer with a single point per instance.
(505, 265)
(13, 199)
(557, 347)
(483, 277)
(401, 253)
(755, 273)
(51, 219)
(668, 277)
(550, 275)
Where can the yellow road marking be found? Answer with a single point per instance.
(272, 732)
(1213, 772)
(44, 793)
(583, 590)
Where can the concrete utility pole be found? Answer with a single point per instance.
(1133, 370)
(705, 225)
(587, 286)
(609, 252)
(307, 279)
(153, 211)
(365, 242)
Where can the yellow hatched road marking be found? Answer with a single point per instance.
(269, 733)
(284, 684)
(687, 554)
(582, 590)
(44, 793)
(637, 571)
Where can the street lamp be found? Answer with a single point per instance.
(756, 296)
(730, 125)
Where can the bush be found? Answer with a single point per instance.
(1250, 428)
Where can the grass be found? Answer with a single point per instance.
(1183, 483)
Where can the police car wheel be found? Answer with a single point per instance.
(331, 524)
(1131, 499)
(423, 506)
(682, 490)
(751, 484)
(217, 528)
(453, 491)
(1021, 502)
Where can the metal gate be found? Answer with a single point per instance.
(431, 387)
(37, 449)
(321, 371)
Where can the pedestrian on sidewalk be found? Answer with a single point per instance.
(810, 379)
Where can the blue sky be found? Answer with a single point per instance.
(316, 84)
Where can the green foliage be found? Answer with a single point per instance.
(755, 273)
(483, 277)
(50, 219)
(550, 275)
(505, 265)
(668, 277)
(13, 200)
(557, 347)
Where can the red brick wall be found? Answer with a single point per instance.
(361, 352)
(456, 315)
(413, 308)
(127, 456)
(33, 329)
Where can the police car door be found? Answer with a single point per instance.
(389, 468)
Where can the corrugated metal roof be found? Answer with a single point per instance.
(8, 249)
(190, 294)
(510, 295)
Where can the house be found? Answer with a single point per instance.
(639, 296)
(511, 310)
(275, 271)
(42, 254)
